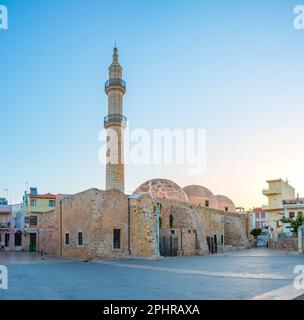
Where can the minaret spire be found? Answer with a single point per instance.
(115, 54)
(115, 124)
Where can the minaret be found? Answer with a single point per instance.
(115, 123)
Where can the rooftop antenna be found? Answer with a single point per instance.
(26, 185)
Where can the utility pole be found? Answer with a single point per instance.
(26, 185)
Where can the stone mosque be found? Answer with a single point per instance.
(159, 219)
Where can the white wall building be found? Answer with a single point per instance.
(258, 219)
(293, 209)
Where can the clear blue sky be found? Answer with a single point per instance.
(234, 68)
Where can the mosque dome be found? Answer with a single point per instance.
(201, 196)
(162, 188)
(225, 204)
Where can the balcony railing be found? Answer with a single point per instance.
(271, 191)
(5, 225)
(293, 201)
(114, 118)
(115, 82)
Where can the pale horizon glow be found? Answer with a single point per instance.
(233, 68)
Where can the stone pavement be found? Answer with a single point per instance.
(246, 274)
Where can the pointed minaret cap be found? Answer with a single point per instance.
(115, 54)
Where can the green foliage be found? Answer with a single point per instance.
(256, 232)
(296, 223)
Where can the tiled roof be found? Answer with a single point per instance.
(43, 196)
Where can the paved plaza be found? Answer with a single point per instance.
(245, 274)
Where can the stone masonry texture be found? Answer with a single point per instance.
(96, 213)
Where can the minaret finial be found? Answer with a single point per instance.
(115, 54)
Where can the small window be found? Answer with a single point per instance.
(33, 203)
(33, 221)
(226, 209)
(80, 239)
(67, 239)
(207, 203)
(116, 242)
(291, 215)
(52, 203)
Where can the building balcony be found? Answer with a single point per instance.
(273, 191)
(292, 202)
(116, 82)
(115, 119)
(5, 226)
(267, 207)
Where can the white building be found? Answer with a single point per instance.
(277, 191)
(258, 219)
(293, 209)
(11, 227)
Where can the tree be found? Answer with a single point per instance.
(295, 224)
(256, 232)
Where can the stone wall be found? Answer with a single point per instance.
(245, 221)
(186, 240)
(143, 227)
(235, 234)
(45, 234)
(214, 221)
(184, 218)
(208, 223)
(96, 214)
(287, 244)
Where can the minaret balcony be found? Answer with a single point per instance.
(115, 119)
(116, 82)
